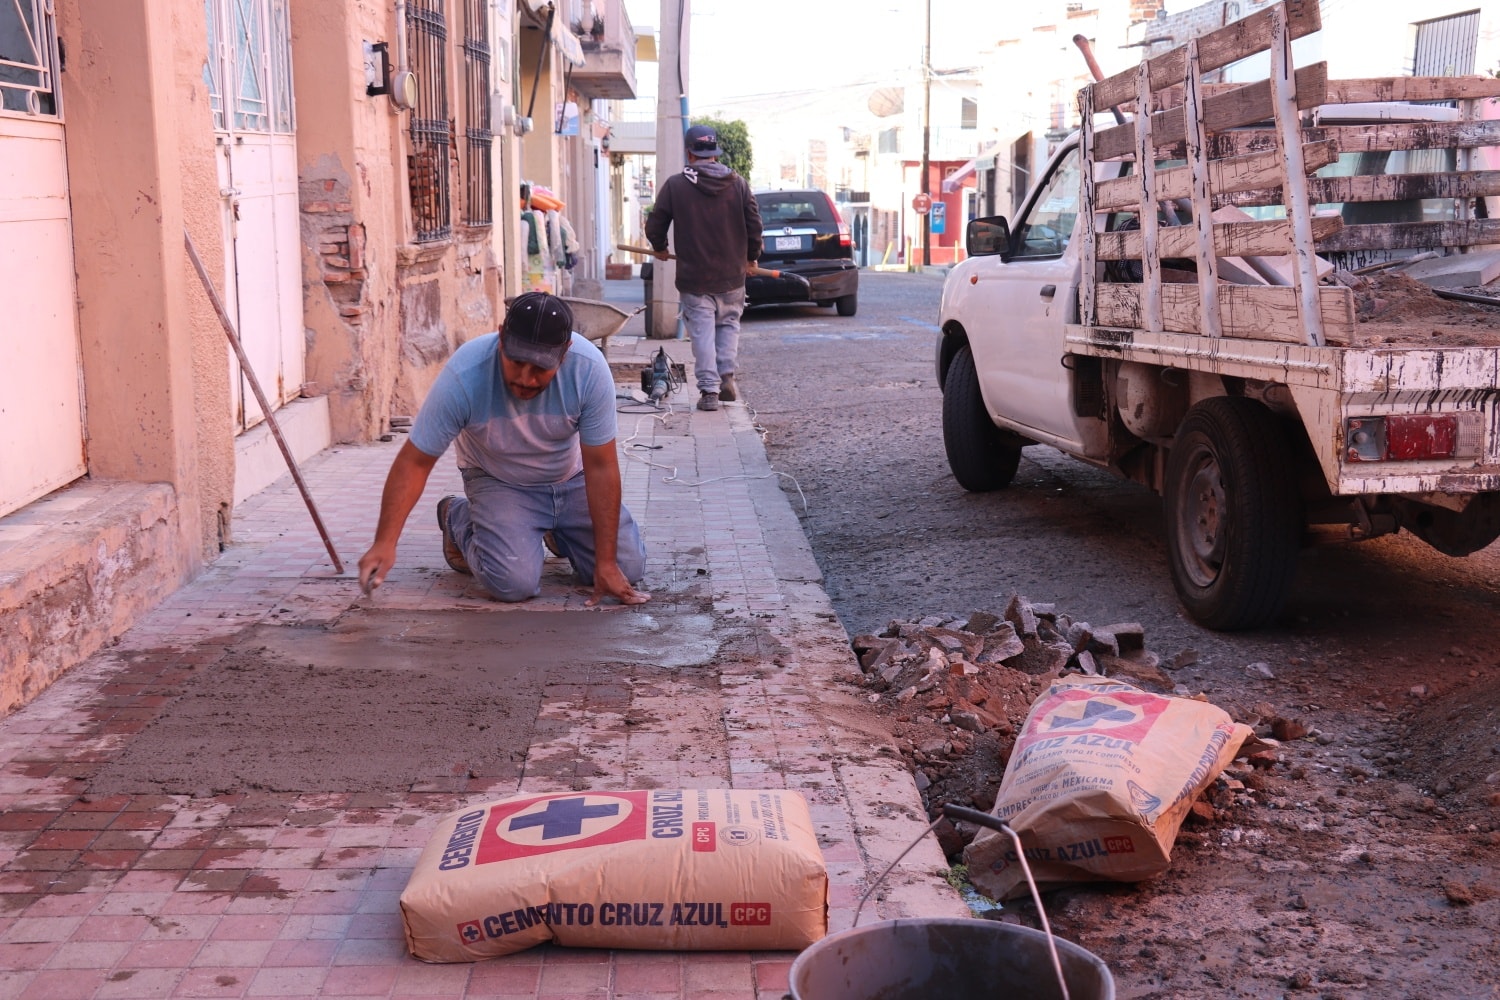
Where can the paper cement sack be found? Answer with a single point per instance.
(1098, 784)
(696, 869)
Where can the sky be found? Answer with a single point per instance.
(809, 56)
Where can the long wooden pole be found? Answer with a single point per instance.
(260, 396)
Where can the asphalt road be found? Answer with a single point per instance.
(1388, 649)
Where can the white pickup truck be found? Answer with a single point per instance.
(1264, 428)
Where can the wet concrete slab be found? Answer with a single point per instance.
(387, 701)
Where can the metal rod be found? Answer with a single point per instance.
(260, 396)
(1484, 300)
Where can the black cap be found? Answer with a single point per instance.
(703, 140)
(537, 330)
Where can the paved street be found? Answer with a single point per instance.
(254, 889)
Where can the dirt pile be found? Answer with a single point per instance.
(958, 689)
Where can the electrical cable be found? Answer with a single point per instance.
(672, 478)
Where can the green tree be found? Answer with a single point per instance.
(734, 140)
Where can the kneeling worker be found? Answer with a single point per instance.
(533, 411)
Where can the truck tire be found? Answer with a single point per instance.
(847, 305)
(982, 456)
(1234, 517)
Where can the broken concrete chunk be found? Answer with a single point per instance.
(1260, 671)
(1078, 635)
(932, 621)
(1001, 644)
(1182, 658)
(1130, 636)
(981, 622)
(1086, 663)
(953, 640)
(1018, 612)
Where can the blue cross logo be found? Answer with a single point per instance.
(563, 818)
(1094, 712)
(471, 932)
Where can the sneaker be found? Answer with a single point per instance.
(708, 401)
(451, 552)
(727, 392)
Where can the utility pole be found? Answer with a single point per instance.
(926, 137)
(671, 104)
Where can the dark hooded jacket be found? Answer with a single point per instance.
(715, 225)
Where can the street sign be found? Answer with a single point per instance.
(922, 204)
(939, 217)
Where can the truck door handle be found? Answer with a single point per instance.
(1048, 291)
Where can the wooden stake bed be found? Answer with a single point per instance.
(1231, 167)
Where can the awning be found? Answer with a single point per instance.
(955, 180)
(567, 42)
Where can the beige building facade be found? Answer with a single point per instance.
(346, 170)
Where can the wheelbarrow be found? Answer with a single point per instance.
(596, 320)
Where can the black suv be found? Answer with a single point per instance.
(806, 236)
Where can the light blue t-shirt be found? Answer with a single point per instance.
(522, 442)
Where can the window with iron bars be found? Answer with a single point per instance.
(479, 188)
(431, 132)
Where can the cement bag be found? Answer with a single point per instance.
(701, 869)
(1098, 784)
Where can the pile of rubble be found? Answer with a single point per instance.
(958, 689)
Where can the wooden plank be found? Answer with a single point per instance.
(1391, 187)
(1145, 158)
(1377, 137)
(1412, 88)
(1285, 100)
(1197, 141)
(1228, 44)
(1257, 172)
(1248, 312)
(1412, 236)
(1243, 105)
(1086, 202)
(1234, 239)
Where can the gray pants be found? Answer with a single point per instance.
(499, 528)
(713, 324)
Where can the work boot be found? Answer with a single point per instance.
(451, 552)
(727, 392)
(550, 544)
(708, 401)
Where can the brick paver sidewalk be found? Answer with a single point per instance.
(260, 894)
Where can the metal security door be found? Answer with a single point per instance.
(250, 86)
(41, 402)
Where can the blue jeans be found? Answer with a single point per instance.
(499, 528)
(713, 324)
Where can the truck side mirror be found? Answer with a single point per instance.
(987, 236)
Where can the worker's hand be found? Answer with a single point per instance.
(374, 565)
(610, 582)
(662, 255)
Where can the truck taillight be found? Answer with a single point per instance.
(1407, 437)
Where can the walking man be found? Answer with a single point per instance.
(533, 411)
(716, 227)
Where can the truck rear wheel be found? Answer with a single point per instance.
(982, 456)
(1234, 519)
